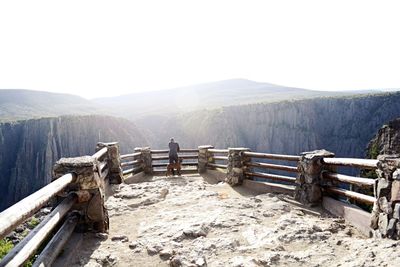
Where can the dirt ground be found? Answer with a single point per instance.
(196, 221)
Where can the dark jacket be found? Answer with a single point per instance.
(173, 148)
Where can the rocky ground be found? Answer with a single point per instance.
(188, 221)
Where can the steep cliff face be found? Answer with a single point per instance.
(386, 141)
(28, 149)
(343, 125)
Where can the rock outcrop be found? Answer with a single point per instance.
(28, 149)
(386, 141)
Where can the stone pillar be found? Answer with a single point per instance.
(386, 211)
(236, 165)
(89, 185)
(147, 162)
(114, 175)
(308, 182)
(204, 157)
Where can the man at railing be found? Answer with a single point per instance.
(173, 153)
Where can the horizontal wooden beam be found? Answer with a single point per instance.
(189, 150)
(350, 162)
(27, 247)
(271, 176)
(220, 158)
(133, 162)
(350, 194)
(189, 163)
(165, 151)
(101, 153)
(271, 156)
(56, 244)
(160, 158)
(272, 166)
(214, 165)
(165, 164)
(359, 181)
(188, 156)
(133, 155)
(215, 150)
(133, 170)
(22, 210)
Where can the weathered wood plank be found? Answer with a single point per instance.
(359, 181)
(272, 156)
(272, 166)
(358, 163)
(271, 176)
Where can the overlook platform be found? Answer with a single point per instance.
(195, 220)
(230, 207)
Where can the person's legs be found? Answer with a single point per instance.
(171, 161)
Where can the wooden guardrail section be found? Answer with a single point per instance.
(79, 185)
(334, 181)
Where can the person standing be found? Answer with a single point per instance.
(173, 151)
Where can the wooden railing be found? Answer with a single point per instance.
(189, 159)
(61, 214)
(286, 179)
(333, 180)
(131, 163)
(218, 158)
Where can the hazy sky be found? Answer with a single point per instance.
(101, 48)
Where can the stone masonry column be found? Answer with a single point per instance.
(89, 188)
(204, 156)
(115, 175)
(386, 211)
(308, 182)
(236, 165)
(147, 162)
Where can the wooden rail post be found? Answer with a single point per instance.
(204, 157)
(236, 165)
(147, 162)
(89, 187)
(114, 175)
(308, 182)
(385, 219)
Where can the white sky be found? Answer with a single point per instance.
(102, 48)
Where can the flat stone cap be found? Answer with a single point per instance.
(107, 144)
(205, 146)
(84, 161)
(322, 153)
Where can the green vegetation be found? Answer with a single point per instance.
(33, 223)
(5, 247)
(374, 151)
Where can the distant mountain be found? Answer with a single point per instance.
(207, 95)
(27, 104)
(28, 149)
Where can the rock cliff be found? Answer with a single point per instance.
(386, 141)
(28, 149)
(343, 125)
